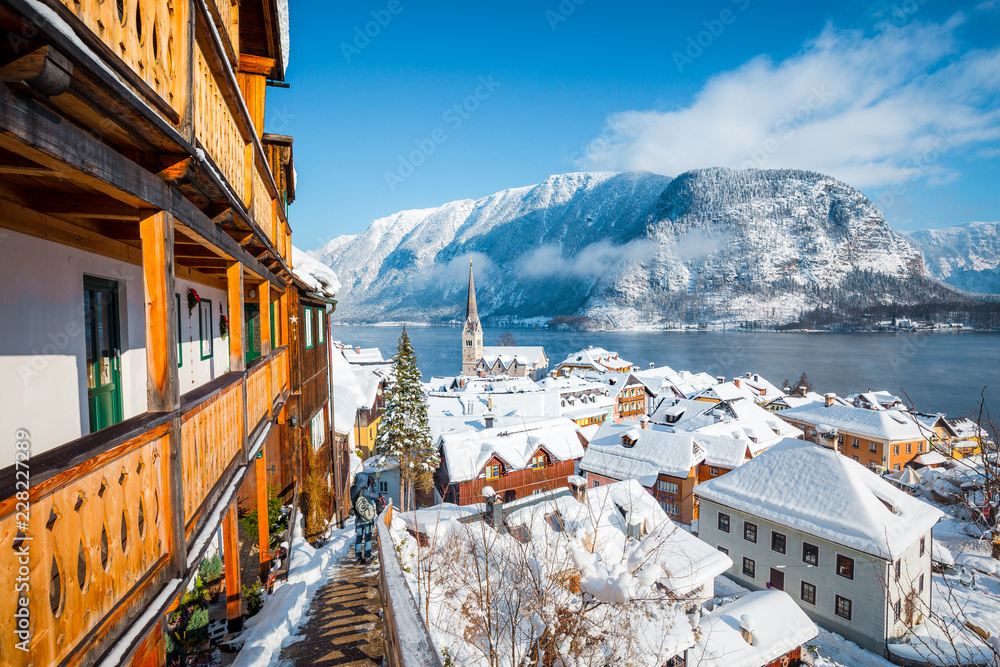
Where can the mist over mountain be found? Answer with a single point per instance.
(747, 247)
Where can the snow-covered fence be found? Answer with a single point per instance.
(407, 642)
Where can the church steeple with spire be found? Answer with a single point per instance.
(472, 331)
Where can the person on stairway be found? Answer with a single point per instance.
(364, 498)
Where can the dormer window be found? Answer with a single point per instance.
(538, 462)
(490, 472)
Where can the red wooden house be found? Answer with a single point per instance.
(535, 456)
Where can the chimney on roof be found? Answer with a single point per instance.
(578, 487)
(720, 379)
(748, 375)
(644, 420)
(746, 628)
(494, 508)
(828, 399)
(736, 381)
(357, 349)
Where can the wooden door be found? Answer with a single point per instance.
(777, 579)
(103, 341)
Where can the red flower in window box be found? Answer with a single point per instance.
(193, 299)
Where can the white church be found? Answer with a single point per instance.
(509, 360)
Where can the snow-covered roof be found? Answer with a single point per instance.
(345, 408)
(654, 453)
(908, 476)
(526, 354)
(597, 358)
(930, 459)
(466, 452)
(779, 626)
(723, 452)
(589, 431)
(740, 419)
(343, 375)
(314, 273)
(360, 355)
(888, 425)
(817, 491)
(369, 379)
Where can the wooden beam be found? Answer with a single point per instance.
(88, 206)
(44, 69)
(162, 393)
(231, 551)
(28, 129)
(12, 163)
(234, 278)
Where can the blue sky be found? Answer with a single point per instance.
(446, 100)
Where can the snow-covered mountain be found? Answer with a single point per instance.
(966, 256)
(631, 249)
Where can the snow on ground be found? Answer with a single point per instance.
(285, 609)
(832, 650)
(945, 639)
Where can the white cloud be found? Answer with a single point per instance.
(595, 259)
(869, 110)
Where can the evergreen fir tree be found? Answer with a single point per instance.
(404, 432)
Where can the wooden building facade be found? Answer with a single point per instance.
(145, 267)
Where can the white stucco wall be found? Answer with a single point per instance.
(42, 340)
(194, 370)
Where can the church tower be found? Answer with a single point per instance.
(472, 332)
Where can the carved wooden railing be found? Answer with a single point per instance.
(147, 35)
(211, 438)
(94, 535)
(259, 204)
(215, 127)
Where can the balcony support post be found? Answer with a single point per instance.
(156, 230)
(231, 551)
(234, 280)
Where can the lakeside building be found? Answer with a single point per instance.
(852, 549)
(167, 363)
(512, 360)
(594, 359)
(886, 439)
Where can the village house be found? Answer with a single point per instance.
(955, 437)
(886, 439)
(853, 550)
(667, 465)
(512, 360)
(738, 417)
(157, 345)
(525, 456)
(585, 401)
(594, 359)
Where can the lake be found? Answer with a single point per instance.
(940, 372)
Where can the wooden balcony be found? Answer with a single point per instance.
(103, 534)
(129, 87)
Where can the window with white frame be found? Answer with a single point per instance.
(318, 428)
(666, 487)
